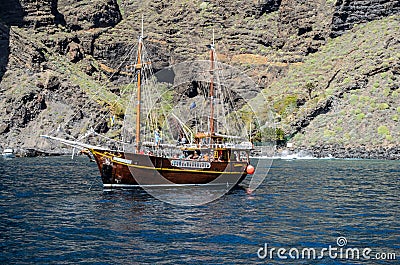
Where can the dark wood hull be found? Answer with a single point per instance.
(129, 170)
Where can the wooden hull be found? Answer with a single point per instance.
(130, 170)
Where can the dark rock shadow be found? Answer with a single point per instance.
(4, 48)
(58, 17)
(11, 14)
(268, 6)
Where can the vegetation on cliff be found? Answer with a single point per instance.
(346, 94)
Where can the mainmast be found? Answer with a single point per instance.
(212, 129)
(139, 85)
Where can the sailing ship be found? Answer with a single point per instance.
(208, 158)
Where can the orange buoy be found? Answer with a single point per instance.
(250, 169)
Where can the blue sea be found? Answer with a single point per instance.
(54, 211)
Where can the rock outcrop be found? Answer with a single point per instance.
(86, 15)
(348, 13)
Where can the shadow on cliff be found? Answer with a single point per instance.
(11, 14)
(4, 48)
(268, 6)
(58, 17)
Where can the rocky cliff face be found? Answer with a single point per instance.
(347, 13)
(54, 53)
(38, 41)
(345, 97)
(78, 15)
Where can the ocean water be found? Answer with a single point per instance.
(55, 211)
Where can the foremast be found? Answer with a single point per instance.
(212, 68)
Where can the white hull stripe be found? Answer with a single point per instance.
(125, 161)
(110, 186)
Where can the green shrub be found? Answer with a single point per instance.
(383, 130)
(360, 116)
(285, 106)
(357, 111)
(373, 105)
(386, 92)
(354, 100)
(269, 134)
(346, 80)
(383, 106)
(329, 133)
(365, 99)
(338, 128)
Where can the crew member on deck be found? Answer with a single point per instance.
(157, 137)
(183, 140)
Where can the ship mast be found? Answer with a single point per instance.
(139, 75)
(212, 50)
